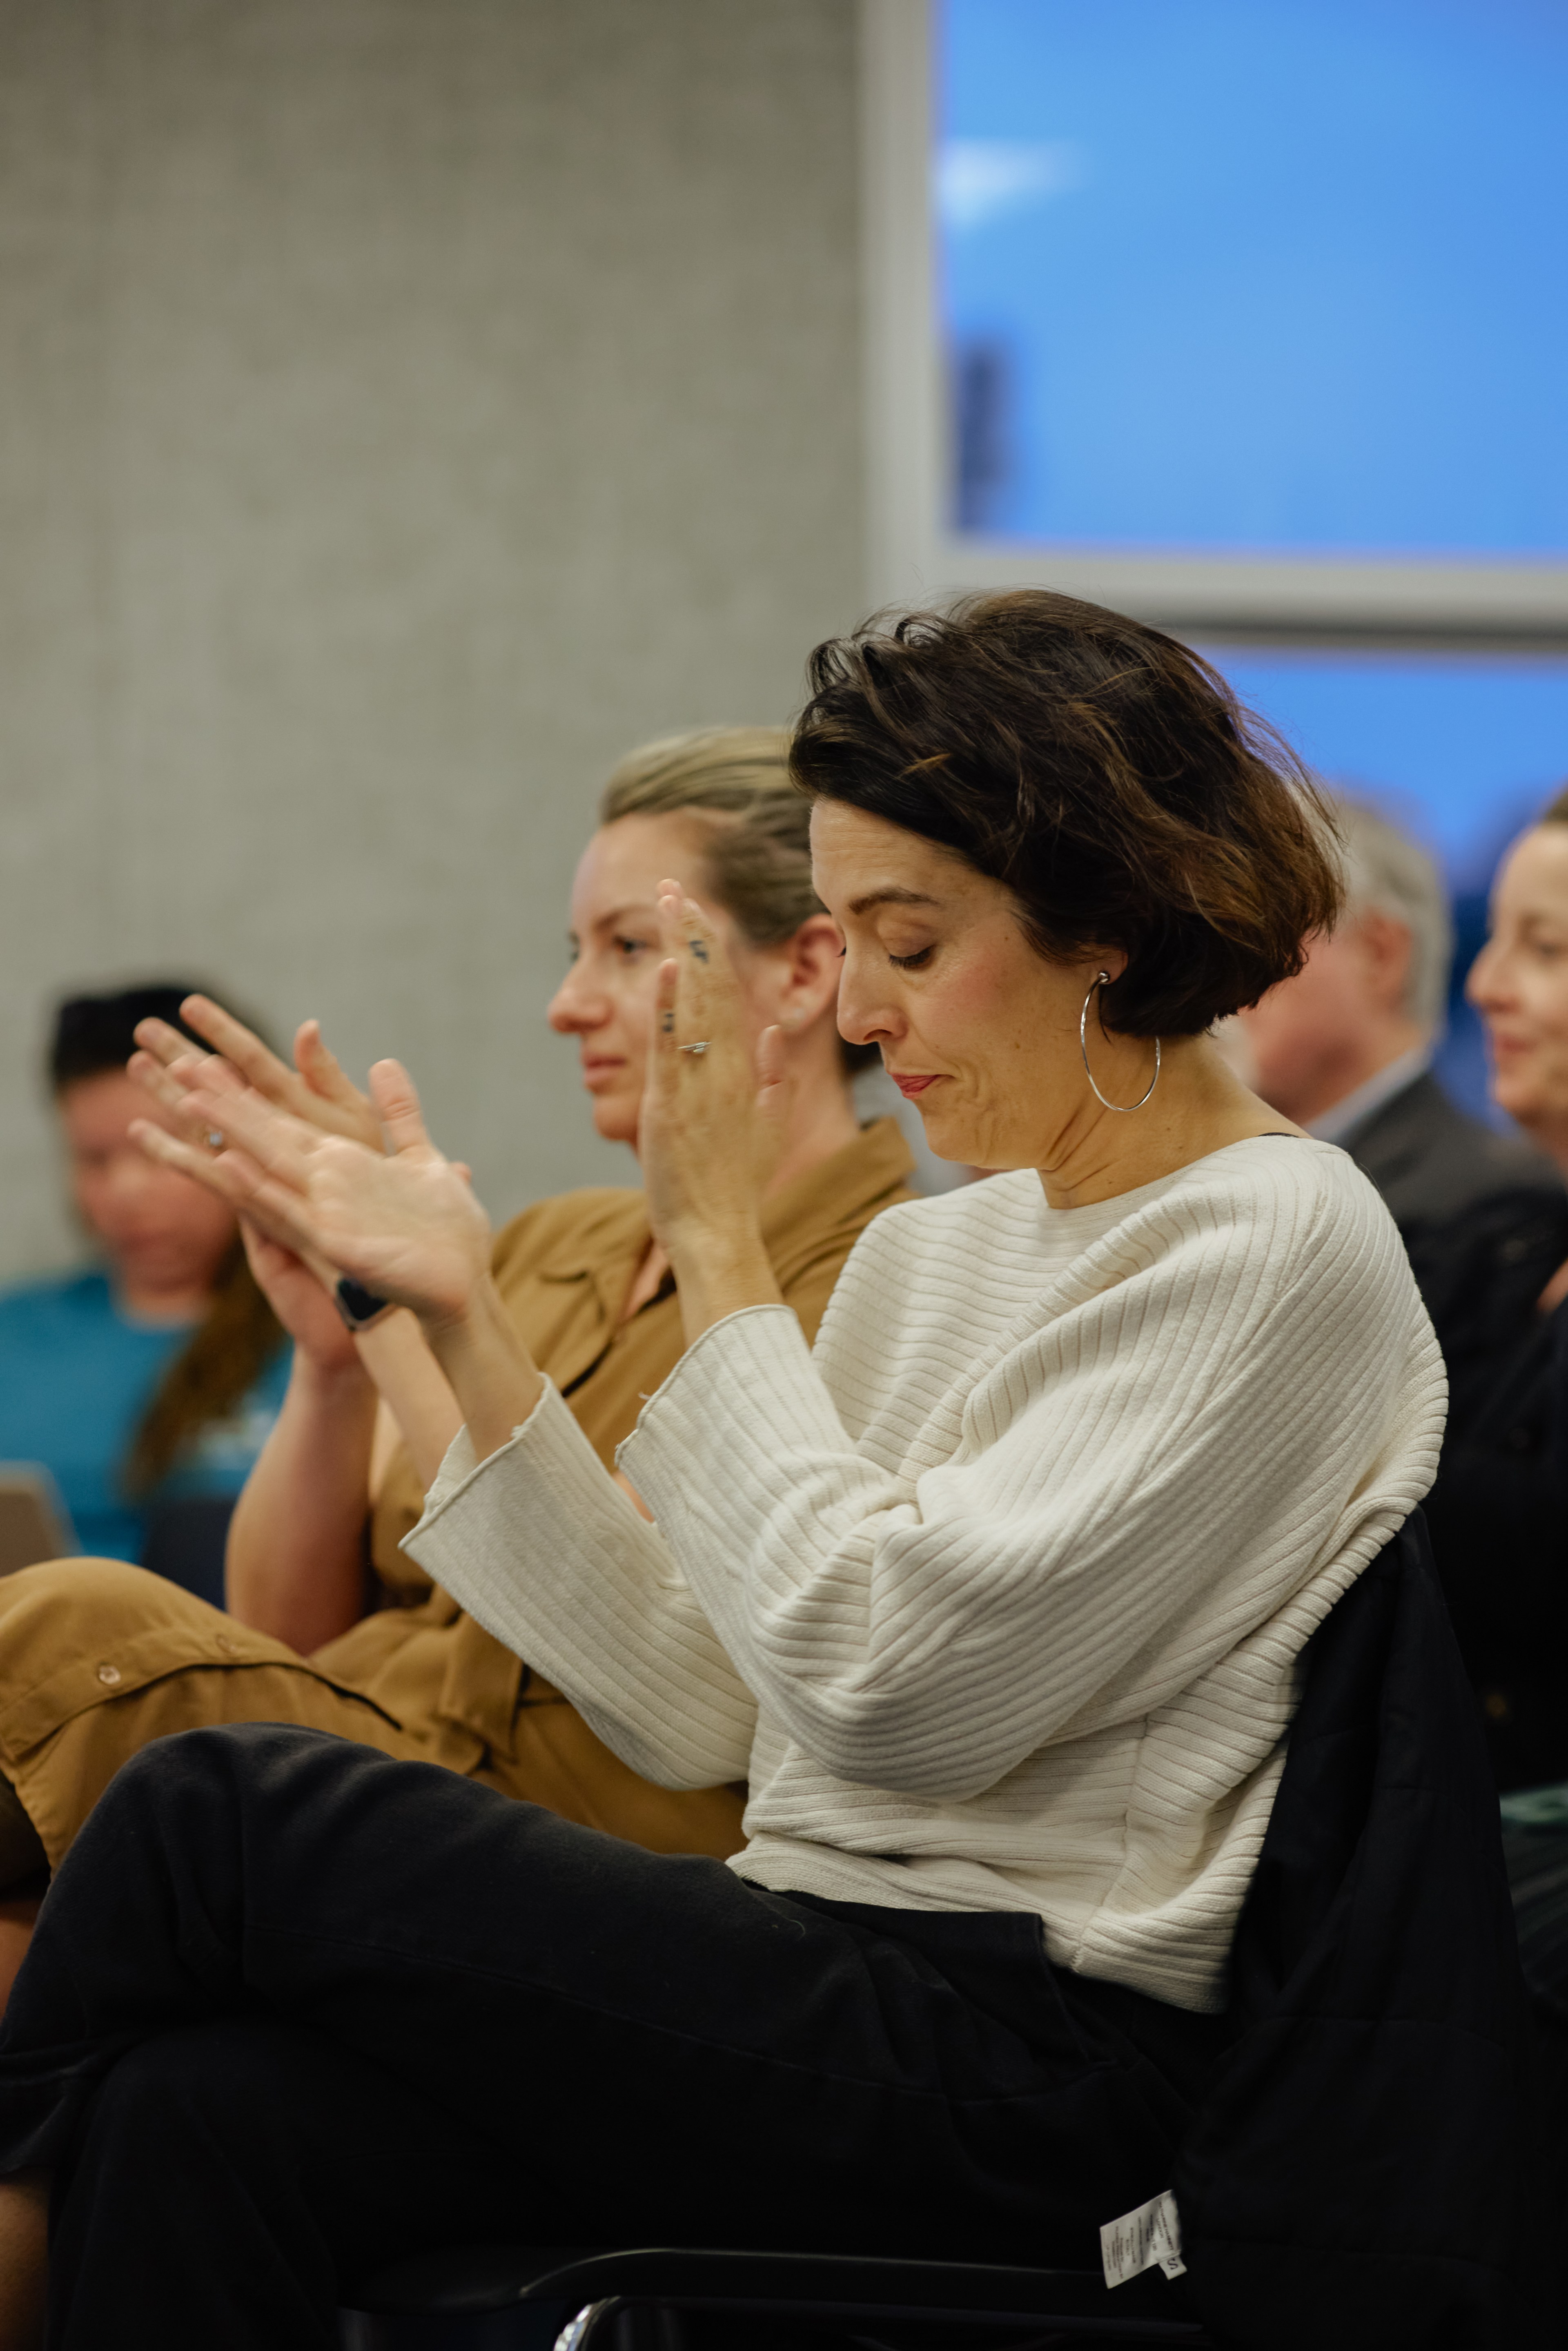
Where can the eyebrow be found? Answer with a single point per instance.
(890, 897)
(632, 910)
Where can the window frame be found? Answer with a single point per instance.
(1481, 603)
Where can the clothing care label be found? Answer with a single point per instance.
(1138, 2240)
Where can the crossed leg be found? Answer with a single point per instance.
(292, 2007)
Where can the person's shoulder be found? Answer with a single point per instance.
(581, 1225)
(1425, 1111)
(1283, 1242)
(1283, 1200)
(1432, 1160)
(47, 1304)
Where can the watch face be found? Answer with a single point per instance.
(356, 1304)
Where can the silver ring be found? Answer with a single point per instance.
(701, 1048)
(215, 1140)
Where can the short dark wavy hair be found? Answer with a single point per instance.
(1101, 772)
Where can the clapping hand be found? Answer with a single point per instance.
(400, 1220)
(713, 1114)
(317, 1090)
(297, 1288)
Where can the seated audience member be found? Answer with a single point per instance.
(96, 1660)
(1346, 1047)
(147, 1384)
(1496, 1280)
(996, 1599)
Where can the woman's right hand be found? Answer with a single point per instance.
(303, 1302)
(406, 1225)
(317, 1090)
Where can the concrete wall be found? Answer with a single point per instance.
(403, 409)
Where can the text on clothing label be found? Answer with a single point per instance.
(1138, 2240)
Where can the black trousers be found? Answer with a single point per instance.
(293, 2008)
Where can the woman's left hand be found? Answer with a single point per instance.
(406, 1226)
(713, 1123)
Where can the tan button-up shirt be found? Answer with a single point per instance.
(97, 1657)
(564, 1269)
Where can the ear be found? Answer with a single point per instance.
(1387, 946)
(811, 972)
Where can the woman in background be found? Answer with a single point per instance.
(1497, 1284)
(1496, 1280)
(146, 1387)
(96, 1660)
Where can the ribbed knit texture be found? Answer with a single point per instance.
(998, 1598)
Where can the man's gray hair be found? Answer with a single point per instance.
(1385, 870)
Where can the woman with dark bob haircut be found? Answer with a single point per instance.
(995, 1597)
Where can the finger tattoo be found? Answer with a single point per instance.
(667, 1023)
(699, 949)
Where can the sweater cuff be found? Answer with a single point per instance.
(741, 1399)
(549, 1442)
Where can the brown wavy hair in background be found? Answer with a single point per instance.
(1104, 772)
(230, 1348)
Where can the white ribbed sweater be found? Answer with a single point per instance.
(997, 1599)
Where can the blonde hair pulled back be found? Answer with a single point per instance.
(757, 846)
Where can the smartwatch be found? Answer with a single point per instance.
(358, 1306)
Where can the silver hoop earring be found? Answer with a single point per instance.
(1124, 1109)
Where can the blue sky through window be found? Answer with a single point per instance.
(1463, 749)
(1230, 275)
(1287, 277)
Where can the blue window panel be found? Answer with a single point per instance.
(1247, 275)
(1462, 748)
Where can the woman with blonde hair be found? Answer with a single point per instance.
(97, 1658)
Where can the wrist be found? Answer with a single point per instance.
(714, 1250)
(456, 1323)
(719, 1272)
(334, 1380)
(490, 1373)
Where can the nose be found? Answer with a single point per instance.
(1485, 985)
(862, 1019)
(576, 1007)
(131, 1172)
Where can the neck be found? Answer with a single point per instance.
(1351, 1065)
(184, 1304)
(1550, 1136)
(1199, 1106)
(823, 1121)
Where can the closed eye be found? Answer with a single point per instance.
(912, 962)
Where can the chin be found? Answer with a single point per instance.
(616, 1122)
(945, 1139)
(1524, 1103)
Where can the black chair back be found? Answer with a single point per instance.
(1363, 2169)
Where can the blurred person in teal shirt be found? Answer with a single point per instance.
(145, 1386)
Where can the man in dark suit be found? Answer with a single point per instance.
(1345, 1048)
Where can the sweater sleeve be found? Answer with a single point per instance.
(1127, 1492)
(548, 1555)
